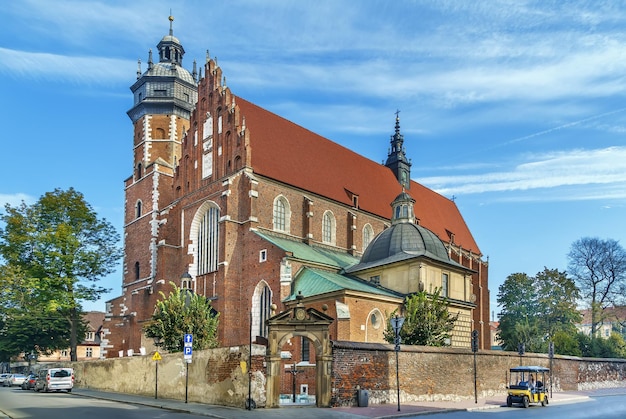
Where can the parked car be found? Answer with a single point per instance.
(29, 383)
(14, 380)
(55, 379)
(3, 377)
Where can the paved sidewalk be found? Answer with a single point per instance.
(311, 412)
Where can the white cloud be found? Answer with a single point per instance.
(15, 199)
(604, 168)
(55, 67)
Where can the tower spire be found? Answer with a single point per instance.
(396, 159)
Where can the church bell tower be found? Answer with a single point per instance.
(164, 97)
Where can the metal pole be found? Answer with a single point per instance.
(550, 377)
(398, 379)
(249, 407)
(293, 382)
(186, 381)
(475, 379)
(156, 378)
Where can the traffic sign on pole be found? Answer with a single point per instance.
(187, 346)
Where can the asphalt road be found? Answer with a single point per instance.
(596, 407)
(16, 403)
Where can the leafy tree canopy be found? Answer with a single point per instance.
(61, 249)
(183, 312)
(535, 309)
(427, 321)
(27, 325)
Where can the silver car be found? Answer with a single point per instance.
(14, 380)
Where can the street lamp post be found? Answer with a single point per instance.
(157, 342)
(396, 324)
(475, 349)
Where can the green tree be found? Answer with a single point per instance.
(63, 249)
(516, 296)
(427, 320)
(27, 326)
(599, 269)
(566, 343)
(556, 309)
(535, 309)
(181, 312)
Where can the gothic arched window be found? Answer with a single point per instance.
(261, 309)
(328, 228)
(368, 235)
(208, 241)
(137, 272)
(282, 214)
(138, 209)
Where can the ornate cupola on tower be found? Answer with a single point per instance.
(397, 160)
(164, 97)
(166, 87)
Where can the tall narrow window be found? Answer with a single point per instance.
(444, 285)
(208, 241)
(137, 273)
(139, 171)
(265, 301)
(306, 350)
(328, 228)
(138, 209)
(281, 216)
(368, 235)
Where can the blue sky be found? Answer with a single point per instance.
(516, 109)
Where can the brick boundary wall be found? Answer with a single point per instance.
(217, 376)
(429, 373)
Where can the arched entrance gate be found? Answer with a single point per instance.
(311, 324)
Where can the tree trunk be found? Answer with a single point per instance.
(73, 334)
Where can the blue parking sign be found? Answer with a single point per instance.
(188, 350)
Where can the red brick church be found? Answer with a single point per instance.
(249, 210)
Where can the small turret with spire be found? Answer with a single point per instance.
(170, 48)
(396, 159)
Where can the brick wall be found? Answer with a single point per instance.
(428, 373)
(217, 376)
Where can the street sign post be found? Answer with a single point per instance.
(187, 354)
(188, 346)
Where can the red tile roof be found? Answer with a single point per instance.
(94, 320)
(608, 315)
(289, 153)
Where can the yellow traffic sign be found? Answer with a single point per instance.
(156, 356)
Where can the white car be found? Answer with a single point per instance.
(3, 377)
(55, 379)
(14, 380)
